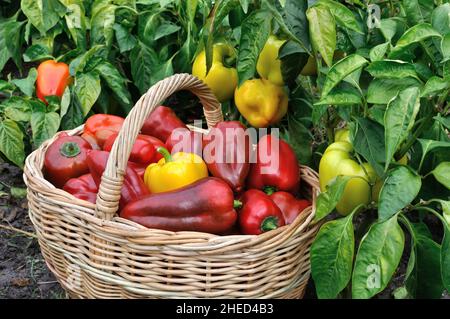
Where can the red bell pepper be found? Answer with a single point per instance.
(52, 79)
(185, 140)
(91, 140)
(144, 149)
(102, 126)
(161, 123)
(290, 206)
(133, 186)
(204, 206)
(259, 213)
(83, 187)
(227, 153)
(139, 168)
(66, 158)
(276, 168)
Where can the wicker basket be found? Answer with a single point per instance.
(96, 254)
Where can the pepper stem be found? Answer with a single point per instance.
(164, 152)
(229, 61)
(237, 204)
(269, 190)
(270, 223)
(70, 149)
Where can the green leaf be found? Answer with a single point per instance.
(12, 32)
(445, 47)
(440, 19)
(445, 257)
(382, 91)
(18, 192)
(43, 14)
(322, 31)
(103, 16)
(442, 174)
(65, 102)
(445, 121)
(429, 146)
(327, 201)
(434, 86)
(417, 11)
(340, 97)
(36, 52)
(191, 8)
(87, 88)
(17, 109)
(76, 23)
(298, 137)
(78, 64)
(11, 142)
(165, 29)
(377, 259)
(341, 70)
(74, 114)
(254, 34)
(399, 119)
(390, 69)
(368, 140)
(378, 52)
(44, 126)
(416, 34)
(124, 38)
(390, 27)
(26, 85)
(117, 83)
(293, 59)
(332, 257)
(400, 188)
(344, 16)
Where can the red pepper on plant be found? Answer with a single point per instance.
(52, 79)
(133, 186)
(204, 206)
(161, 122)
(102, 126)
(83, 187)
(276, 168)
(230, 153)
(66, 158)
(259, 213)
(289, 205)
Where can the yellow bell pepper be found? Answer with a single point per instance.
(221, 79)
(268, 65)
(173, 172)
(261, 102)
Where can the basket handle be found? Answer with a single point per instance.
(111, 183)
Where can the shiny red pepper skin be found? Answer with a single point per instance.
(144, 149)
(91, 140)
(235, 145)
(83, 187)
(52, 79)
(139, 168)
(133, 186)
(265, 175)
(102, 126)
(289, 205)
(185, 140)
(204, 206)
(161, 123)
(66, 158)
(259, 213)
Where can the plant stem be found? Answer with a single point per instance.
(414, 137)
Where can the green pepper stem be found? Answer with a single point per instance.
(269, 190)
(164, 152)
(270, 223)
(237, 204)
(229, 61)
(70, 149)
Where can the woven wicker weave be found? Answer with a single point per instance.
(96, 254)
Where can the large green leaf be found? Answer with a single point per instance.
(44, 125)
(343, 15)
(431, 145)
(87, 88)
(332, 257)
(76, 22)
(377, 259)
(103, 16)
(382, 91)
(17, 109)
(255, 31)
(399, 119)
(434, 86)
(12, 33)
(442, 174)
(43, 14)
(418, 11)
(416, 34)
(11, 142)
(440, 19)
(378, 52)
(391, 69)
(327, 201)
(341, 97)
(341, 70)
(445, 256)
(322, 31)
(400, 188)
(26, 85)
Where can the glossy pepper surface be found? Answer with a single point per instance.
(269, 65)
(133, 187)
(228, 151)
(83, 187)
(102, 126)
(143, 151)
(261, 102)
(173, 172)
(205, 206)
(259, 213)
(66, 158)
(161, 122)
(52, 79)
(289, 205)
(222, 78)
(276, 167)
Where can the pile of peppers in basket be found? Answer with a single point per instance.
(175, 188)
